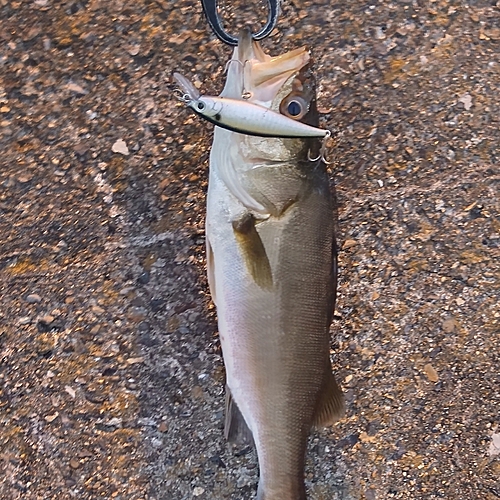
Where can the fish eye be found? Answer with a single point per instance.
(294, 106)
(200, 106)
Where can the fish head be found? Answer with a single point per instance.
(283, 83)
(264, 173)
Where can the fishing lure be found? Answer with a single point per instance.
(243, 116)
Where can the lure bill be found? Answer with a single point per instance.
(239, 115)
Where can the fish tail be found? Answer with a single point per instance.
(299, 493)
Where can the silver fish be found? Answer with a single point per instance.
(272, 271)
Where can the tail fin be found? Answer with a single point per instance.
(298, 494)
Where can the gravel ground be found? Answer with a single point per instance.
(111, 371)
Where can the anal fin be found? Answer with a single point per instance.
(236, 430)
(330, 407)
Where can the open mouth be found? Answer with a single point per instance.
(263, 76)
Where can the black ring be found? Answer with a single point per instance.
(210, 9)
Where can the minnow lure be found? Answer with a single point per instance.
(243, 116)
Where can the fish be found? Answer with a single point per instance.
(272, 268)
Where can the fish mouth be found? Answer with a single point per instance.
(264, 76)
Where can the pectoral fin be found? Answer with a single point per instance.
(235, 428)
(330, 406)
(253, 250)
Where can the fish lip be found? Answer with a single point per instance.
(245, 45)
(263, 75)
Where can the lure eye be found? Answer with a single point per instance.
(294, 106)
(200, 106)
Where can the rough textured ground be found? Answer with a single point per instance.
(111, 372)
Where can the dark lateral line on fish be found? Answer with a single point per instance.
(254, 134)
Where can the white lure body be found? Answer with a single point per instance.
(240, 115)
(251, 119)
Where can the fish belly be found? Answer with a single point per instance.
(275, 335)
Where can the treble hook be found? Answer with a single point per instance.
(210, 9)
(322, 151)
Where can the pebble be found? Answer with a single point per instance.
(348, 441)
(33, 298)
(78, 89)
(157, 443)
(115, 422)
(97, 310)
(349, 244)
(94, 397)
(217, 460)
(143, 278)
(47, 319)
(431, 373)
(466, 100)
(449, 325)
(74, 463)
(146, 421)
(136, 314)
(120, 146)
(24, 178)
(157, 304)
(133, 50)
(69, 482)
(81, 148)
(144, 326)
(197, 392)
(135, 361)
(147, 340)
(198, 491)
(70, 391)
(85, 454)
(244, 479)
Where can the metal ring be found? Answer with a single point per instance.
(215, 22)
